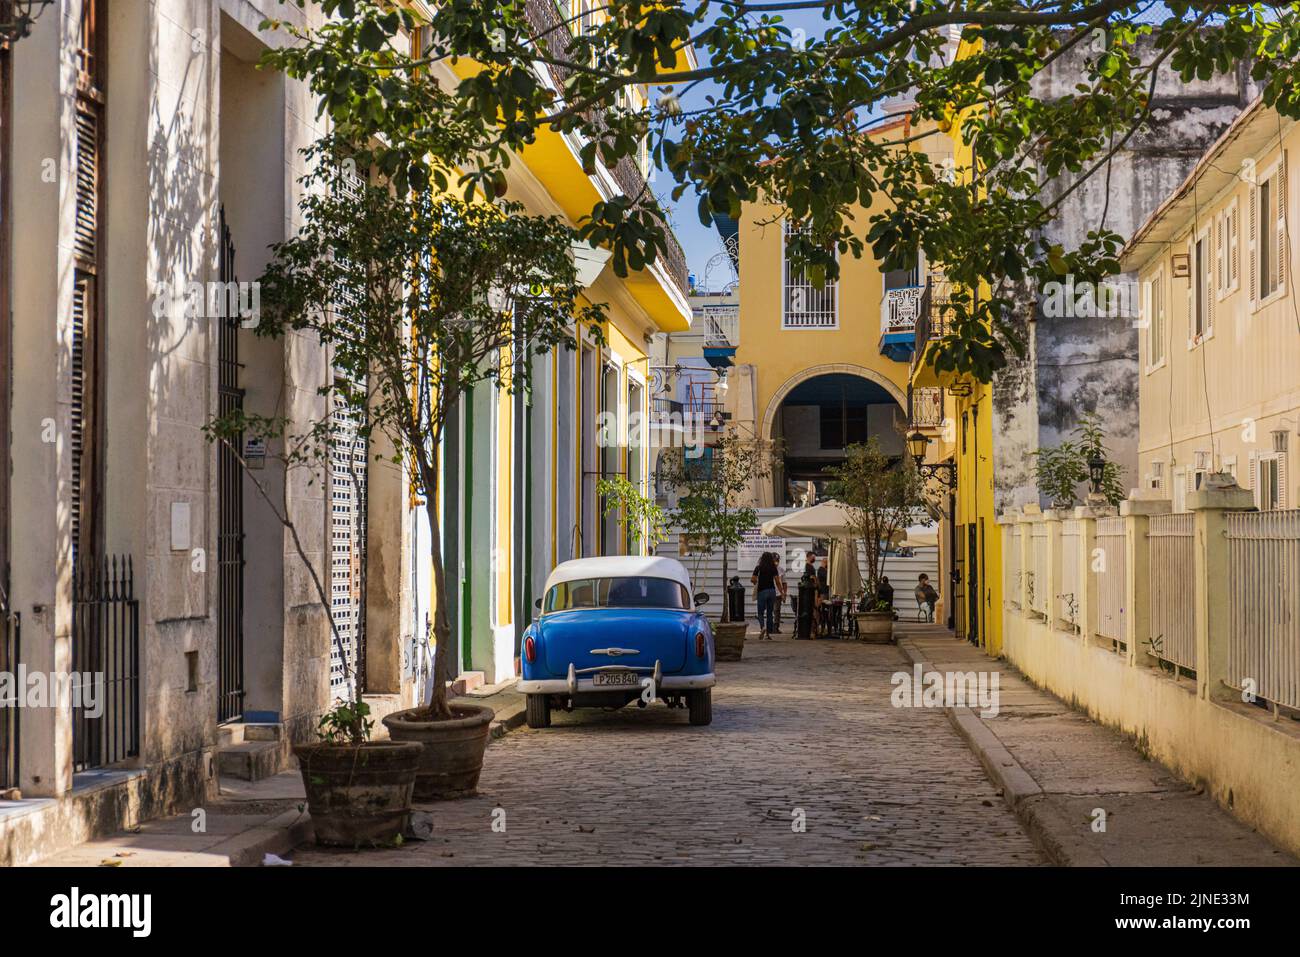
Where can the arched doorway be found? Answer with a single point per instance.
(819, 413)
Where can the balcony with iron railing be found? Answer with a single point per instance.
(924, 407)
(550, 27)
(721, 326)
(899, 310)
(931, 321)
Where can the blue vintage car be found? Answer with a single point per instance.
(616, 630)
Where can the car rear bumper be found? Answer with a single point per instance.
(588, 685)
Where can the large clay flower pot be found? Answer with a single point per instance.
(729, 640)
(453, 750)
(876, 626)
(358, 795)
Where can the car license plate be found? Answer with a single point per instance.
(616, 679)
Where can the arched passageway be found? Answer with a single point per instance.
(817, 418)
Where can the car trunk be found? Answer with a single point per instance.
(652, 633)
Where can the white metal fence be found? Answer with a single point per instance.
(1040, 558)
(1264, 604)
(1111, 570)
(1172, 571)
(1068, 590)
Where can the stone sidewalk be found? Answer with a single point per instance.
(237, 828)
(1061, 771)
(247, 820)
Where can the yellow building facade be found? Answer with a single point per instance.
(1220, 337)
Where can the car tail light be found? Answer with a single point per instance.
(701, 648)
(530, 649)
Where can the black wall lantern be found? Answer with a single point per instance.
(17, 17)
(1096, 471)
(945, 473)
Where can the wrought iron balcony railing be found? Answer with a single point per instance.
(925, 407)
(899, 309)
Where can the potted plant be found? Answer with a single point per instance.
(882, 496)
(358, 791)
(711, 511)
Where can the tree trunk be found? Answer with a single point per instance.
(726, 596)
(441, 623)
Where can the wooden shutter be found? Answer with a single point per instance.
(83, 425)
(1220, 255)
(1234, 253)
(1282, 497)
(1252, 243)
(1280, 185)
(85, 236)
(1207, 314)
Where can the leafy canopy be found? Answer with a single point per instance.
(800, 120)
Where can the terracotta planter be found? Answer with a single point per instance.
(875, 626)
(452, 755)
(729, 640)
(358, 795)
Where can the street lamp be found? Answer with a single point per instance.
(945, 473)
(1096, 471)
(17, 17)
(916, 444)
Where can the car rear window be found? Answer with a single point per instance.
(623, 592)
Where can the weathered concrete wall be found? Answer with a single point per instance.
(1078, 365)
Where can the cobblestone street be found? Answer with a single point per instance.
(801, 730)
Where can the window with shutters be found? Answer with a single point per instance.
(1201, 307)
(1156, 323)
(86, 385)
(1268, 240)
(1227, 259)
(349, 461)
(349, 458)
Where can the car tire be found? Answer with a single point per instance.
(538, 711)
(700, 706)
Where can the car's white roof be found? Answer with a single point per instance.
(619, 566)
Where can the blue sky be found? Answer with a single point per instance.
(703, 242)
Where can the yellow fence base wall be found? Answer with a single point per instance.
(1249, 763)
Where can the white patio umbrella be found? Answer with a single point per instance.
(827, 519)
(843, 575)
(921, 538)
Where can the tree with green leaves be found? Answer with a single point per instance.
(1060, 469)
(797, 118)
(882, 496)
(643, 519)
(713, 492)
(418, 300)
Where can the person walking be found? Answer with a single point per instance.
(780, 599)
(767, 579)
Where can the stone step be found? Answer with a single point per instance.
(263, 732)
(230, 734)
(466, 682)
(249, 760)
